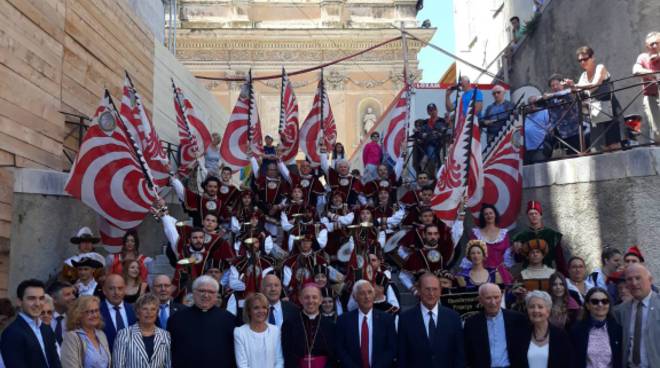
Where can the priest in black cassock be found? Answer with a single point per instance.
(203, 335)
(308, 339)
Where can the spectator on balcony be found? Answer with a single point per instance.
(564, 114)
(537, 127)
(468, 92)
(649, 62)
(595, 82)
(517, 30)
(497, 113)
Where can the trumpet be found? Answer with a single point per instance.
(360, 225)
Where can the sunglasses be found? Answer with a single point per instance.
(595, 301)
(582, 60)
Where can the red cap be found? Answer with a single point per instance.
(634, 250)
(535, 205)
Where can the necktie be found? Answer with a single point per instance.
(364, 343)
(637, 336)
(271, 316)
(162, 317)
(431, 327)
(119, 321)
(58, 329)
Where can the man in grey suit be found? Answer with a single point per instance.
(639, 318)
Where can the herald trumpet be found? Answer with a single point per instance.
(360, 225)
(187, 261)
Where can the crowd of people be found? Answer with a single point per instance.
(581, 116)
(297, 268)
(570, 117)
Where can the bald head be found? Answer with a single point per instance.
(490, 296)
(162, 287)
(114, 289)
(638, 280)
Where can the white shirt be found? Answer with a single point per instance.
(425, 316)
(86, 289)
(53, 322)
(258, 349)
(644, 363)
(537, 356)
(370, 325)
(113, 314)
(278, 314)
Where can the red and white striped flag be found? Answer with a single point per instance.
(462, 172)
(395, 126)
(140, 127)
(288, 128)
(503, 182)
(108, 174)
(243, 130)
(194, 137)
(319, 126)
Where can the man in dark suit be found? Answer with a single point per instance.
(162, 287)
(496, 336)
(116, 314)
(280, 310)
(26, 342)
(639, 319)
(365, 337)
(203, 335)
(430, 335)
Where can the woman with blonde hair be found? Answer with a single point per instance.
(143, 345)
(85, 344)
(257, 343)
(135, 286)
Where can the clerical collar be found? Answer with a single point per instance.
(312, 317)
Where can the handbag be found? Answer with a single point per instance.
(600, 106)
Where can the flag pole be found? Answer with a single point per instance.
(469, 147)
(321, 132)
(249, 110)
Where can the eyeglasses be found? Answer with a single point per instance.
(582, 60)
(595, 301)
(92, 312)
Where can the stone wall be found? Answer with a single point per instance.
(602, 200)
(45, 218)
(614, 29)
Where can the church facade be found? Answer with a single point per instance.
(228, 38)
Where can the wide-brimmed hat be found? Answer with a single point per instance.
(85, 234)
(89, 260)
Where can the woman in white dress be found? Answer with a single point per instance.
(257, 343)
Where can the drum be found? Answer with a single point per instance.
(392, 246)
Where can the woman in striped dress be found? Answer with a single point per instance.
(143, 345)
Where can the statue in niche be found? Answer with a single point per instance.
(368, 121)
